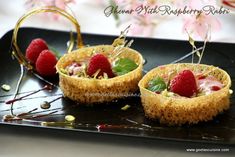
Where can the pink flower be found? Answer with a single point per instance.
(57, 3)
(142, 25)
(141, 30)
(199, 25)
(62, 3)
(118, 2)
(198, 4)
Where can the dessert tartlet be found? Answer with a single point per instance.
(81, 83)
(177, 94)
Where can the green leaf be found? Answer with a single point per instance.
(157, 85)
(57, 53)
(115, 15)
(124, 65)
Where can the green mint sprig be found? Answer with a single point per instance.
(124, 65)
(157, 85)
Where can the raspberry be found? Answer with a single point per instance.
(184, 84)
(201, 77)
(215, 88)
(34, 49)
(45, 64)
(99, 61)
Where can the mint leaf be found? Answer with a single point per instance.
(157, 85)
(57, 53)
(124, 65)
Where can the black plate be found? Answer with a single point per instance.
(109, 116)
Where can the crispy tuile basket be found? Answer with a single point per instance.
(89, 90)
(178, 111)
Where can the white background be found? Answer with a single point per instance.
(92, 20)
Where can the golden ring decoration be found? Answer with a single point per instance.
(16, 50)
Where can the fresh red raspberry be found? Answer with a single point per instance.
(99, 61)
(45, 64)
(34, 49)
(184, 84)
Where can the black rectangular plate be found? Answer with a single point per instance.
(131, 122)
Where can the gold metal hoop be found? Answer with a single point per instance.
(18, 53)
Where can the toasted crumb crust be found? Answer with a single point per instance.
(86, 90)
(182, 110)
